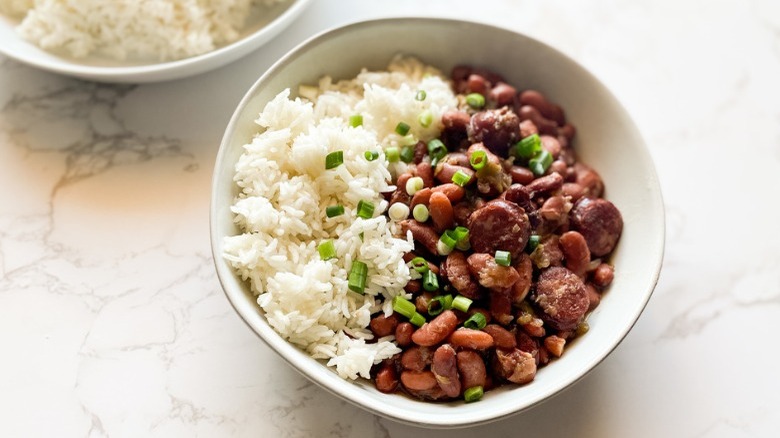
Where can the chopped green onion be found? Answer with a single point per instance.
(334, 210)
(436, 149)
(582, 328)
(407, 154)
(533, 242)
(414, 185)
(473, 394)
(437, 305)
(541, 162)
(398, 211)
(365, 209)
(463, 245)
(420, 213)
(478, 159)
(408, 140)
(402, 128)
(403, 306)
(475, 100)
(476, 321)
(461, 234)
(430, 281)
(503, 258)
(447, 302)
(421, 94)
(327, 250)
(361, 235)
(356, 120)
(420, 265)
(425, 118)
(461, 178)
(392, 154)
(417, 319)
(371, 155)
(529, 146)
(461, 303)
(449, 238)
(443, 249)
(357, 276)
(334, 159)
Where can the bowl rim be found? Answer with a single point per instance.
(224, 271)
(165, 70)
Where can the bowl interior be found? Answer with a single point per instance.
(606, 139)
(262, 25)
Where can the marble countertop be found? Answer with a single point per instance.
(113, 323)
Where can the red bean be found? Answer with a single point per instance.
(521, 175)
(458, 275)
(386, 379)
(545, 184)
(498, 129)
(477, 84)
(425, 171)
(545, 107)
(590, 181)
(422, 384)
(472, 369)
(545, 125)
(503, 94)
(416, 358)
(441, 212)
(422, 196)
(527, 128)
(603, 275)
(382, 325)
(400, 194)
(403, 334)
(453, 192)
(501, 306)
(572, 190)
(471, 339)
(445, 171)
(445, 369)
(552, 145)
(435, 331)
(575, 251)
(423, 234)
(502, 337)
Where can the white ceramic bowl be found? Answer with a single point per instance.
(607, 139)
(258, 31)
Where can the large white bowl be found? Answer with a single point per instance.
(606, 139)
(259, 30)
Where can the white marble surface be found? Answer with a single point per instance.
(112, 322)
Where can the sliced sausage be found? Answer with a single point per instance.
(498, 129)
(562, 298)
(499, 225)
(600, 222)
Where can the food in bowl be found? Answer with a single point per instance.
(437, 236)
(159, 30)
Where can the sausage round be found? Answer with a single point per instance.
(562, 297)
(499, 225)
(600, 222)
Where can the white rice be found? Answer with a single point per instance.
(285, 190)
(121, 29)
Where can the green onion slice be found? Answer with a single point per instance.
(473, 394)
(430, 281)
(437, 149)
(402, 128)
(461, 303)
(541, 162)
(437, 305)
(425, 118)
(403, 306)
(528, 146)
(460, 234)
(420, 213)
(407, 154)
(420, 265)
(357, 276)
(327, 250)
(461, 178)
(421, 95)
(478, 159)
(476, 321)
(503, 258)
(334, 210)
(533, 242)
(417, 319)
(448, 238)
(448, 302)
(365, 209)
(392, 153)
(371, 155)
(355, 120)
(334, 159)
(475, 100)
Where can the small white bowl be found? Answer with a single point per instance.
(607, 139)
(257, 32)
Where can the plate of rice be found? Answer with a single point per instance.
(140, 41)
